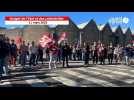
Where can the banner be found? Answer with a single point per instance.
(45, 39)
(36, 20)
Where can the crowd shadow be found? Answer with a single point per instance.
(25, 74)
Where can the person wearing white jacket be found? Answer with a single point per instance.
(116, 54)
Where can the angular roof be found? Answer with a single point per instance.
(92, 23)
(119, 29)
(128, 31)
(102, 26)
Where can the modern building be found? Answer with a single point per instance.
(106, 34)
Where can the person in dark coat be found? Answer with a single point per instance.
(95, 54)
(47, 54)
(8, 55)
(105, 53)
(65, 54)
(39, 54)
(70, 52)
(3, 54)
(110, 54)
(101, 54)
(13, 53)
(59, 54)
(127, 54)
(87, 54)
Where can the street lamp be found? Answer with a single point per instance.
(100, 32)
(80, 38)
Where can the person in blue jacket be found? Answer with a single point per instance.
(127, 53)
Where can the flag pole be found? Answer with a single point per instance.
(80, 40)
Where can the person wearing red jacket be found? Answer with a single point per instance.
(53, 48)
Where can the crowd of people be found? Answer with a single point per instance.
(31, 54)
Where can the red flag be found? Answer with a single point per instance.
(45, 39)
(62, 37)
(18, 40)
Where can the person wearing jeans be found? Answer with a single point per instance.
(39, 54)
(3, 51)
(23, 54)
(1, 67)
(33, 51)
(126, 60)
(74, 53)
(53, 55)
(87, 55)
(59, 54)
(110, 54)
(52, 59)
(65, 54)
(126, 55)
(7, 58)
